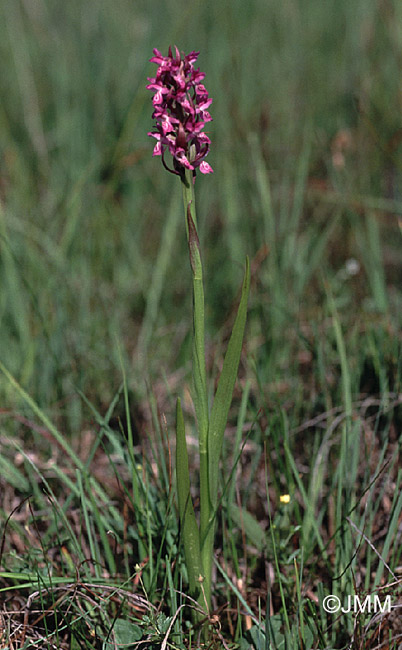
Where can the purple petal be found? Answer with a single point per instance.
(198, 76)
(205, 168)
(168, 123)
(157, 58)
(205, 116)
(158, 97)
(181, 158)
(158, 150)
(192, 57)
(204, 105)
(187, 106)
(202, 137)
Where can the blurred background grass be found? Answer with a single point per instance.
(306, 150)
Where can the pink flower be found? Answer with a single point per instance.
(180, 104)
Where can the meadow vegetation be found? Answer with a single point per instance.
(95, 324)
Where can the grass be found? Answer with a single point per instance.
(95, 324)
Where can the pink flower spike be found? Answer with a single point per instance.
(180, 104)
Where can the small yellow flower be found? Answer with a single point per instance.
(284, 498)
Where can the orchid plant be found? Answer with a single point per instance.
(181, 104)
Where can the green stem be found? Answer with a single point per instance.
(188, 196)
(200, 383)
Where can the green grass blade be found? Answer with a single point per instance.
(158, 281)
(237, 593)
(392, 531)
(88, 524)
(188, 523)
(238, 439)
(60, 439)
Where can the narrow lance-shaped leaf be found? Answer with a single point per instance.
(189, 528)
(224, 392)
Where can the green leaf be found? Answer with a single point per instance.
(224, 392)
(269, 638)
(258, 638)
(126, 633)
(188, 523)
(245, 520)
